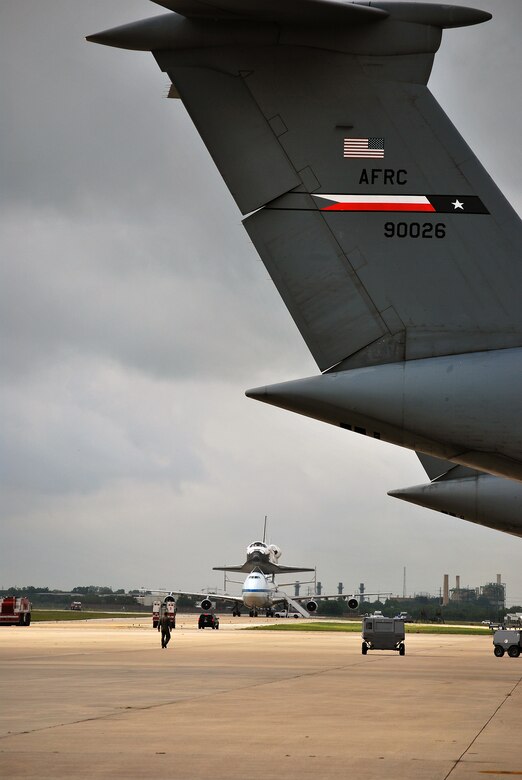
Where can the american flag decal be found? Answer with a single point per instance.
(370, 148)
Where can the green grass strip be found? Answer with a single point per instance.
(40, 615)
(355, 628)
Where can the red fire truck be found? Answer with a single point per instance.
(15, 611)
(168, 605)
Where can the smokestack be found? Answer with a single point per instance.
(499, 579)
(445, 591)
(340, 588)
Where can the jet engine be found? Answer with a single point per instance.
(275, 550)
(206, 604)
(311, 605)
(353, 603)
(169, 600)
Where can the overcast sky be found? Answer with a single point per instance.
(134, 312)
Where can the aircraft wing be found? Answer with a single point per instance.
(201, 596)
(265, 568)
(344, 596)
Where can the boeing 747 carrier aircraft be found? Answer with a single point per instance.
(260, 592)
(395, 253)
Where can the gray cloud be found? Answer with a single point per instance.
(146, 294)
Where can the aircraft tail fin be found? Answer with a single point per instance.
(385, 237)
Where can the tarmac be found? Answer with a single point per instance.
(101, 699)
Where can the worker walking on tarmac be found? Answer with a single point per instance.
(164, 627)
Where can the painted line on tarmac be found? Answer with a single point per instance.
(486, 724)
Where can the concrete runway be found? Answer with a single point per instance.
(101, 699)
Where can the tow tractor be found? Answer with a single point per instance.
(507, 641)
(15, 611)
(382, 633)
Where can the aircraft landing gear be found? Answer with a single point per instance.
(236, 613)
(270, 613)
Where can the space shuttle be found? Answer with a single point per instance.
(263, 558)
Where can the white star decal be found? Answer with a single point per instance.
(457, 204)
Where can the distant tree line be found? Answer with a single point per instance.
(91, 596)
(421, 608)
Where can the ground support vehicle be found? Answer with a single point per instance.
(283, 613)
(507, 641)
(208, 619)
(381, 633)
(15, 611)
(169, 606)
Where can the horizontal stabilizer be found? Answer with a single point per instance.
(440, 15)
(301, 11)
(328, 11)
